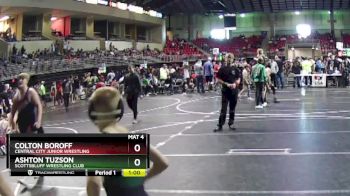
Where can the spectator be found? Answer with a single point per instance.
(259, 77)
(42, 93)
(280, 73)
(23, 50)
(198, 69)
(208, 72)
(67, 91)
(296, 70)
(274, 71)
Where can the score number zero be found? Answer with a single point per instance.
(137, 147)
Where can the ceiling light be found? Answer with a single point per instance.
(159, 15)
(53, 18)
(303, 30)
(122, 6)
(4, 18)
(136, 9)
(153, 13)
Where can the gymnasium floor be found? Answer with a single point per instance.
(300, 146)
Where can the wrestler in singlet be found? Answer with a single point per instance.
(26, 114)
(104, 102)
(28, 106)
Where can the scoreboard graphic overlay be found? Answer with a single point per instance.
(78, 154)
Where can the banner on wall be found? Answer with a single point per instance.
(102, 69)
(340, 45)
(216, 51)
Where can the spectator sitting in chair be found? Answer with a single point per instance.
(168, 85)
(190, 86)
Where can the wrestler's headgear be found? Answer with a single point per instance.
(106, 105)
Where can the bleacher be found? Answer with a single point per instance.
(238, 45)
(177, 47)
(52, 63)
(280, 42)
(346, 40)
(327, 42)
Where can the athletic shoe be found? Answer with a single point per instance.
(232, 127)
(275, 100)
(259, 107)
(134, 122)
(250, 99)
(217, 129)
(264, 104)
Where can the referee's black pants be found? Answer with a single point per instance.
(66, 99)
(228, 98)
(132, 99)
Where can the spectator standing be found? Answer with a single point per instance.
(208, 72)
(42, 92)
(59, 94)
(246, 82)
(306, 65)
(67, 91)
(319, 66)
(217, 67)
(280, 73)
(274, 71)
(23, 50)
(110, 77)
(296, 70)
(53, 93)
(259, 78)
(76, 89)
(198, 70)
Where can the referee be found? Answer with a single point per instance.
(229, 77)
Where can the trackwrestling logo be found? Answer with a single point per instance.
(30, 172)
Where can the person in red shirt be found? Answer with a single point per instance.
(59, 95)
(217, 66)
(100, 84)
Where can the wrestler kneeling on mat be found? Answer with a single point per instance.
(105, 110)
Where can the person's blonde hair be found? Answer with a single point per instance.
(232, 56)
(105, 99)
(24, 76)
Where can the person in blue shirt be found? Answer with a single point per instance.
(208, 72)
(319, 66)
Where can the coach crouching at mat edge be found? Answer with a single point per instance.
(229, 77)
